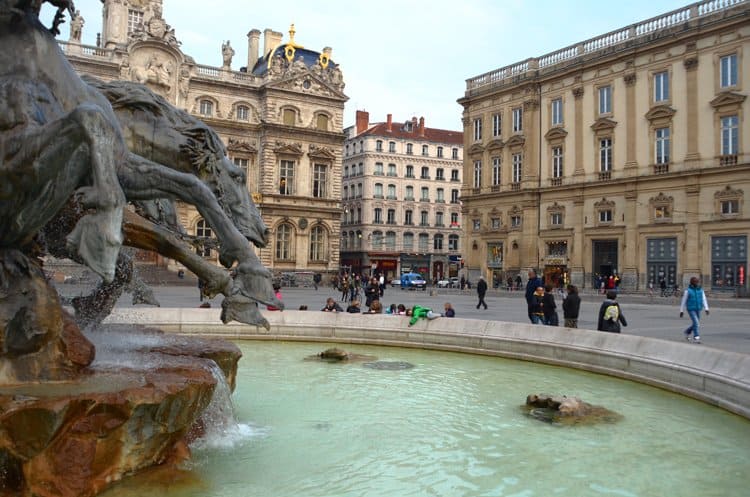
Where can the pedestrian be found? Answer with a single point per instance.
(448, 310)
(610, 314)
(381, 284)
(694, 300)
(509, 282)
(277, 294)
(316, 280)
(481, 291)
(519, 281)
(571, 307)
(549, 307)
(345, 289)
(332, 306)
(201, 286)
(537, 306)
(532, 284)
(372, 292)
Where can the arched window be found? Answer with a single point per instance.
(437, 242)
(318, 244)
(284, 242)
(322, 122)
(390, 240)
(206, 108)
(452, 242)
(289, 117)
(203, 230)
(377, 240)
(243, 113)
(344, 240)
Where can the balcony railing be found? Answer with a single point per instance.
(605, 175)
(661, 168)
(495, 188)
(556, 182)
(728, 160)
(515, 187)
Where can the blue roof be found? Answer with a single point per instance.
(310, 58)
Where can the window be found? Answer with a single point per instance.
(409, 193)
(454, 153)
(203, 230)
(318, 244)
(495, 171)
(729, 207)
(605, 100)
(477, 174)
(495, 223)
(289, 117)
(377, 240)
(392, 147)
(391, 192)
(661, 86)
(440, 195)
(135, 20)
(517, 168)
(345, 194)
(662, 145)
(454, 175)
(243, 113)
(320, 180)
(361, 146)
(729, 135)
(453, 242)
(440, 152)
(392, 170)
(408, 217)
(515, 221)
(605, 216)
(425, 173)
(497, 122)
(437, 242)
(425, 150)
(424, 242)
(286, 177)
(408, 241)
(425, 194)
(409, 149)
(409, 171)
(517, 120)
(605, 154)
(378, 192)
(476, 224)
(556, 219)
(557, 162)
(557, 112)
(379, 146)
(284, 242)
(662, 213)
(390, 240)
(439, 219)
(423, 220)
(242, 164)
(729, 70)
(360, 190)
(322, 122)
(478, 129)
(359, 214)
(378, 169)
(346, 171)
(377, 215)
(454, 196)
(454, 219)
(440, 174)
(391, 216)
(206, 108)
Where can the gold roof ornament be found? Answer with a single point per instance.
(291, 46)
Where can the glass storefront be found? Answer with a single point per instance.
(661, 261)
(728, 262)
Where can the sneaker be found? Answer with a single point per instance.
(697, 339)
(687, 337)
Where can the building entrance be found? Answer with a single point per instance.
(604, 254)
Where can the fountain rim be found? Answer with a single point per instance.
(714, 376)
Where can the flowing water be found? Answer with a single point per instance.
(450, 426)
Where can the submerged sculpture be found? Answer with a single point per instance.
(67, 170)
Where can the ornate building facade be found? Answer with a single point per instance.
(624, 154)
(401, 188)
(280, 116)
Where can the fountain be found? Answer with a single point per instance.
(71, 425)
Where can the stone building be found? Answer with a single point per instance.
(623, 154)
(280, 116)
(401, 189)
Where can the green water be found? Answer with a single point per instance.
(451, 426)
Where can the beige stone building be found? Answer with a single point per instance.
(401, 188)
(623, 154)
(280, 115)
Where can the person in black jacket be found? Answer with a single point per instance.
(532, 284)
(481, 291)
(571, 306)
(610, 314)
(549, 307)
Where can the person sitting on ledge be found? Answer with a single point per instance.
(375, 308)
(421, 312)
(448, 310)
(303, 307)
(332, 306)
(354, 307)
(401, 310)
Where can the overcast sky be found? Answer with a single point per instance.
(407, 58)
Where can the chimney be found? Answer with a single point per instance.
(389, 123)
(421, 127)
(253, 43)
(271, 39)
(363, 121)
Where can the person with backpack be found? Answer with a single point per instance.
(610, 314)
(571, 307)
(694, 300)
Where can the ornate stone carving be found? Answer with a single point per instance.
(318, 152)
(660, 114)
(531, 104)
(604, 204)
(76, 27)
(156, 72)
(578, 92)
(556, 208)
(240, 146)
(288, 148)
(661, 199)
(227, 52)
(690, 63)
(727, 100)
(603, 124)
(556, 133)
(728, 193)
(629, 79)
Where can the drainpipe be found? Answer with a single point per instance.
(539, 178)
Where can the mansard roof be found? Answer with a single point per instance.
(400, 132)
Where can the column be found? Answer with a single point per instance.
(575, 251)
(691, 83)
(631, 164)
(628, 269)
(689, 261)
(578, 132)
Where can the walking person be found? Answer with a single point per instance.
(610, 314)
(571, 307)
(316, 280)
(549, 307)
(481, 291)
(694, 300)
(532, 284)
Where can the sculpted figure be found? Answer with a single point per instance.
(76, 26)
(227, 52)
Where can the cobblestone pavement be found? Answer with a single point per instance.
(727, 327)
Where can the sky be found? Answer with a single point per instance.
(406, 58)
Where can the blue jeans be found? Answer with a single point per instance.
(536, 319)
(695, 328)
